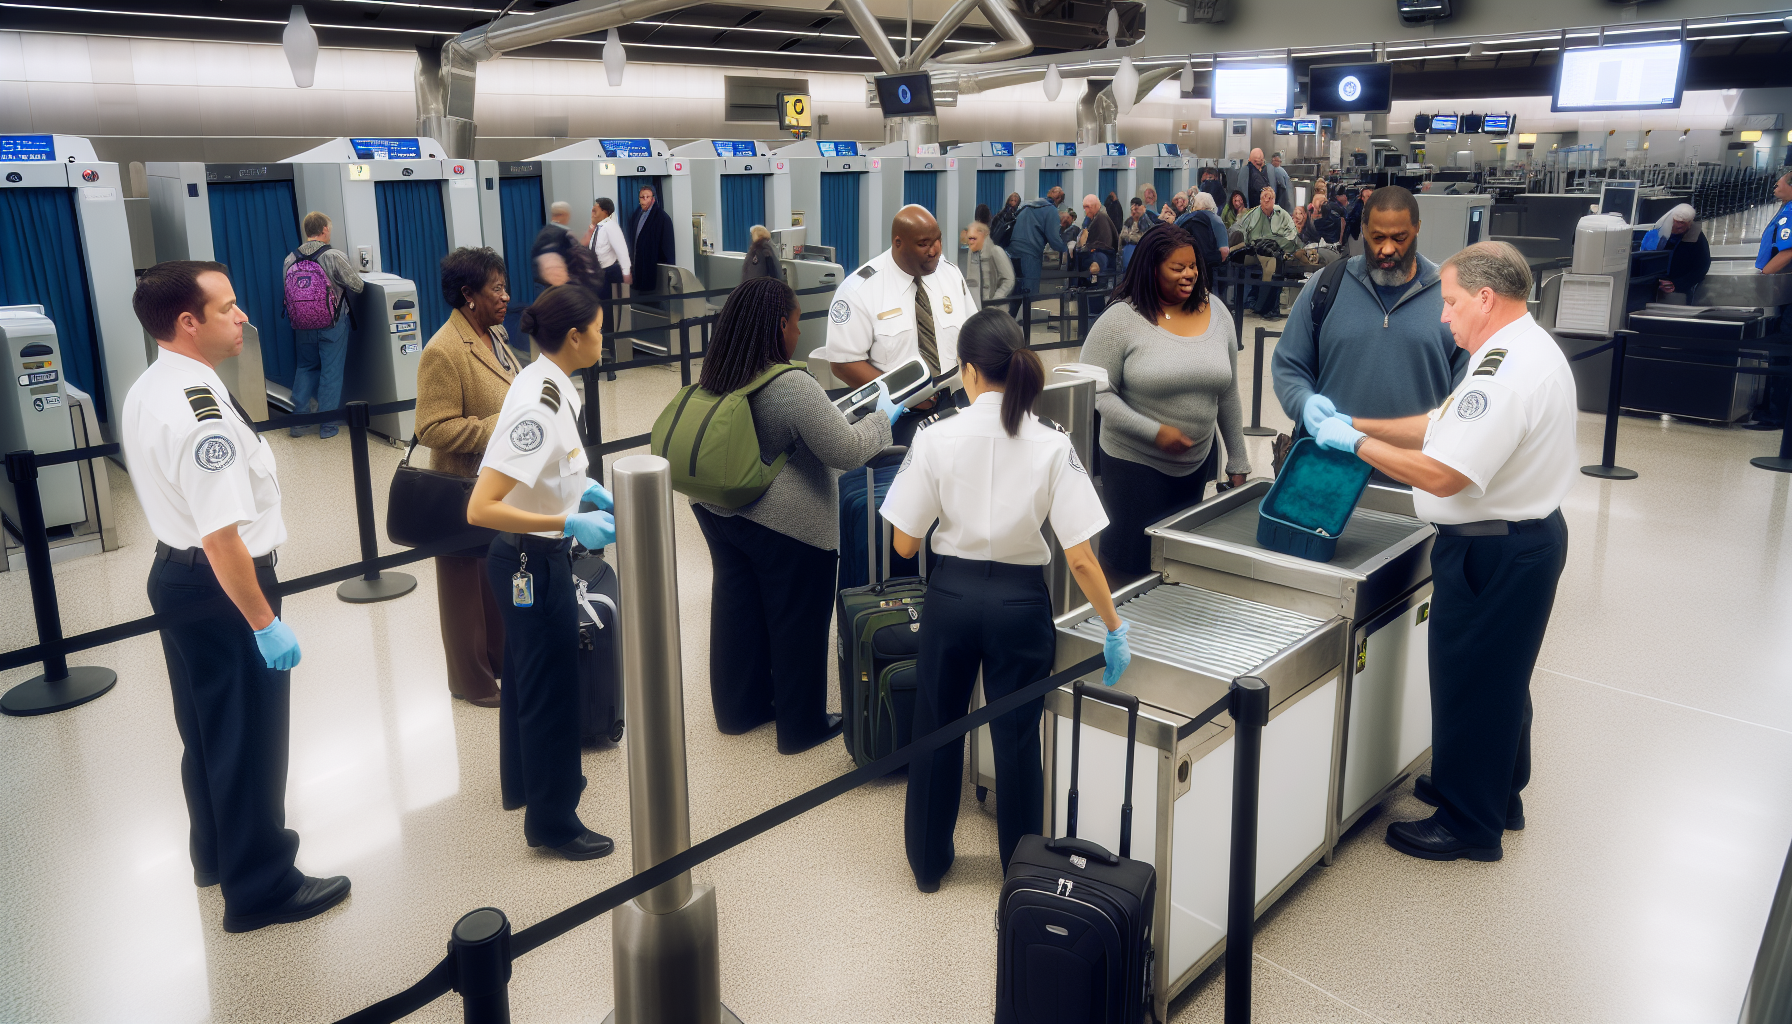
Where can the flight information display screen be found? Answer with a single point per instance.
(1251, 90)
(626, 147)
(1001, 149)
(1306, 126)
(1285, 126)
(734, 147)
(1496, 124)
(1063, 149)
(1445, 123)
(28, 148)
(838, 148)
(1645, 76)
(1351, 88)
(386, 149)
(905, 95)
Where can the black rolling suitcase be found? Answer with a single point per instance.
(879, 629)
(600, 652)
(1073, 942)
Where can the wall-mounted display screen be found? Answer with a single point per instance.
(838, 148)
(1306, 126)
(1350, 88)
(1328, 123)
(1421, 123)
(1471, 124)
(1637, 76)
(734, 147)
(905, 95)
(626, 147)
(386, 149)
(1001, 149)
(29, 148)
(1496, 124)
(1445, 123)
(1284, 126)
(1109, 149)
(1063, 149)
(1252, 90)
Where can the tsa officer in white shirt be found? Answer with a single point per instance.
(529, 487)
(991, 476)
(208, 487)
(1489, 468)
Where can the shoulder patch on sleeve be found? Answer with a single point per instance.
(204, 403)
(1490, 363)
(867, 271)
(1473, 405)
(214, 452)
(840, 311)
(550, 396)
(527, 436)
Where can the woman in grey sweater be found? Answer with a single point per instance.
(774, 560)
(1173, 371)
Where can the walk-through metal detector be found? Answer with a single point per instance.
(619, 168)
(735, 184)
(1105, 167)
(976, 172)
(902, 172)
(1163, 165)
(827, 186)
(512, 209)
(65, 245)
(1044, 164)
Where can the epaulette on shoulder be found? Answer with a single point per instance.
(1490, 363)
(204, 403)
(1053, 424)
(867, 271)
(550, 396)
(946, 413)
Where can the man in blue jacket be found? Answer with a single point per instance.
(1035, 230)
(1383, 350)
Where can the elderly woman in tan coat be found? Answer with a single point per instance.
(462, 379)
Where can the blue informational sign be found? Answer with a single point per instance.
(1496, 124)
(1115, 148)
(734, 147)
(1063, 149)
(1306, 126)
(1284, 126)
(386, 149)
(28, 148)
(626, 147)
(838, 148)
(1001, 149)
(1172, 149)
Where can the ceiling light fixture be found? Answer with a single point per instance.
(1054, 82)
(1126, 84)
(615, 59)
(300, 43)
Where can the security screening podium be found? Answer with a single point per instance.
(1162, 166)
(976, 172)
(735, 184)
(1104, 167)
(1044, 164)
(902, 172)
(827, 186)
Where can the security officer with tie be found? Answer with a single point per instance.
(1489, 468)
(209, 489)
(905, 302)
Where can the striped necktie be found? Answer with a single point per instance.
(930, 349)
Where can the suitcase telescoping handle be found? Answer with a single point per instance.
(875, 538)
(1129, 703)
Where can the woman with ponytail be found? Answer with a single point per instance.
(991, 476)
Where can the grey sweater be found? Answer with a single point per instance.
(1156, 378)
(803, 503)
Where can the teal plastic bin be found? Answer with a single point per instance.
(1311, 501)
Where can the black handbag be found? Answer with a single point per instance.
(425, 508)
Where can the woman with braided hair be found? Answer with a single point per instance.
(774, 560)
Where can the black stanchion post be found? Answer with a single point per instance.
(1607, 469)
(372, 586)
(1257, 429)
(1250, 713)
(589, 427)
(684, 353)
(60, 687)
(480, 944)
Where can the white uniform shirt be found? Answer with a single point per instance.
(1509, 428)
(196, 463)
(609, 245)
(536, 443)
(990, 492)
(872, 316)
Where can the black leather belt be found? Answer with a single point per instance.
(531, 543)
(1492, 527)
(196, 556)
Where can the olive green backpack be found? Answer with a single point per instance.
(712, 444)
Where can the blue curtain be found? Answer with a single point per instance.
(255, 224)
(628, 199)
(413, 240)
(922, 188)
(992, 189)
(1048, 180)
(1164, 178)
(743, 205)
(840, 216)
(40, 263)
(519, 202)
(1105, 181)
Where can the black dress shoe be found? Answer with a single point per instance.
(832, 730)
(928, 887)
(588, 845)
(311, 898)
(1426, 791)
(205, 879)
(1430, 840)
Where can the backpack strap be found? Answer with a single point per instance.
(769, 374)
(1324, 293)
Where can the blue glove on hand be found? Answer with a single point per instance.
(278, 646)
(1119, 654)
(1317, 410)
(887, 407)
(1337, 432)
(599, 495)
(595, 530)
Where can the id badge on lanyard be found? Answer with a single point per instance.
(522, 586)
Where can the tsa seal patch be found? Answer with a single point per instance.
(840, 312)
(526, 436)
(1076, 463)
(1472, 406)
(214, 453)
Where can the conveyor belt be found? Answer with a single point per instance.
(1198, 629)
(1366, 535)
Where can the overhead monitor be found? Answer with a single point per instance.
(386, 149)
(1306, 126)
(734, 147)
(1063, 149)
(1328, 123)
(905, 95)
(1001, 149)
(1284, 126)
(1471, 124)
(30, 148)
(1634, 76)
(626, 147)
(1421, 123)
(1172, 149)
(1252, 90)
(1619, 197)
(1496, 124)
(838, 148)
(1351, 89)
(1445, 123)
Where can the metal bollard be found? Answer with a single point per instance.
(60, 687)
(1257, 429)
(373, 585)
(1607, 469)
(1250, 713)
(1768, 999)
(480, 944)
(667, 957)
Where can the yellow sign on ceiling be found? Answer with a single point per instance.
(793, 111)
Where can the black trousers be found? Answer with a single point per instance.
(1492, 603)
(770, 605)
(234, 715)
(998, 617)
(538, 705)
(1136, 496)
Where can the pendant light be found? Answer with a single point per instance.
(300, 43)
(1188, 79)
(615, 59)
(1126, 85)
(1054, 83)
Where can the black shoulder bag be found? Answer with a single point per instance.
(426, 508)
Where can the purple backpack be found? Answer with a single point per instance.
(308, 303)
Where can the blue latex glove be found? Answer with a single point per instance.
(1336, 432)
(599, 495)
(887, 407)
(278, 646)
(1317, 410)
(595, 530)
(1119, 654)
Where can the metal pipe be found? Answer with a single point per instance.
(652, 675)
(1014, 41)
(865, 23)
(942, 28)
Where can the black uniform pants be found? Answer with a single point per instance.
(233, 714)
(1492, 601)
(1135, 496)
(998, 617)
(538, 705)
(770, 604)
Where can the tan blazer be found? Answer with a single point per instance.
(461, 386)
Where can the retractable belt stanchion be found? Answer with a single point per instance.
(1257, 429)
(60, 687)
(372, 586)
(1249, 707)
(480, 946)
(1607, 468)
